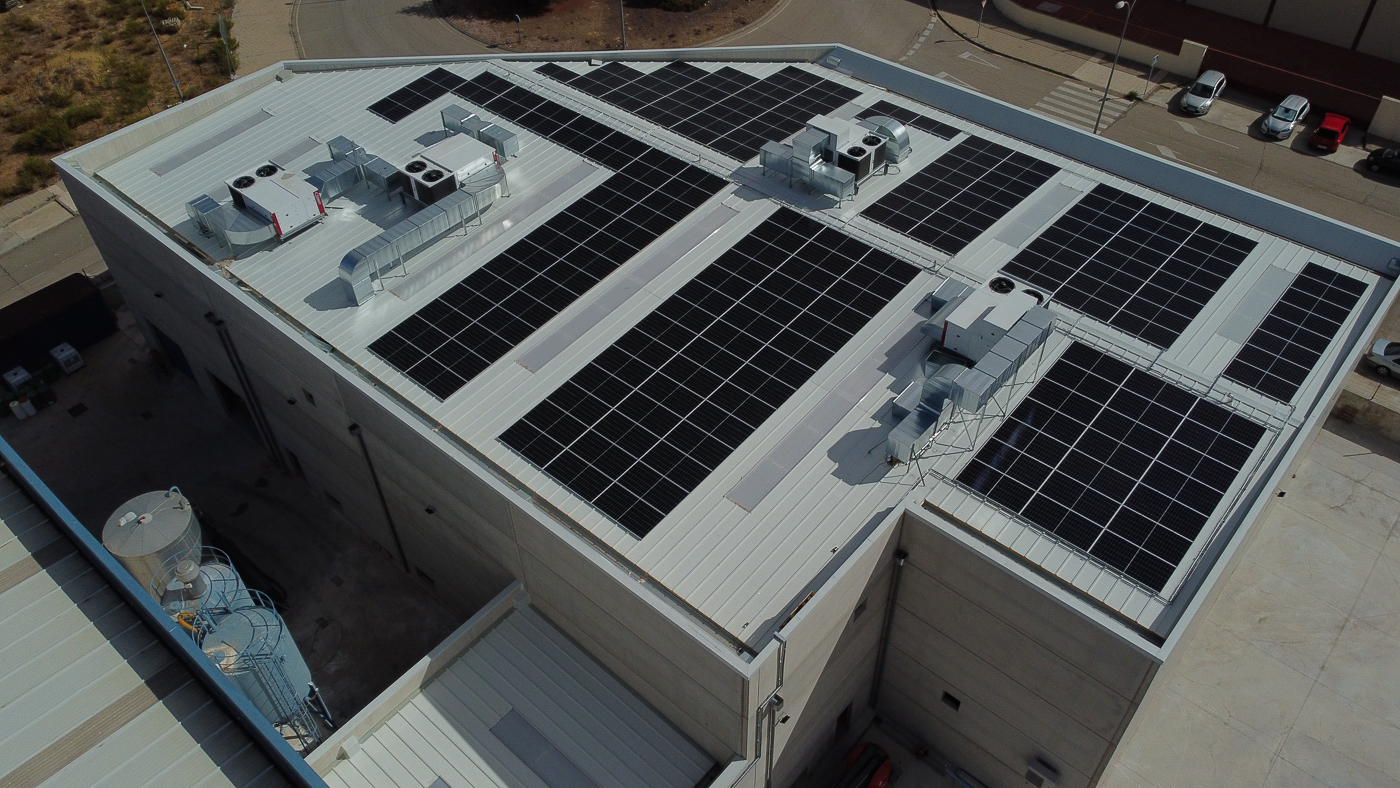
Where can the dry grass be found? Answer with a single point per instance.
(571, 25)
(73, 71)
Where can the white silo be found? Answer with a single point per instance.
(198, 587)
(148, 529)
(253, 647)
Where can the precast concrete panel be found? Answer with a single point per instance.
(1382, 34)
(1336, 22)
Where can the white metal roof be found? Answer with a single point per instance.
(523, 707)
(741, 566)
(88, 694)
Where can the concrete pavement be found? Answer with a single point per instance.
(41, 242)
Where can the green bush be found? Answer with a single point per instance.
(33, 171)
(132, 78)
(58, 99)
(51, 136)
(77, 116)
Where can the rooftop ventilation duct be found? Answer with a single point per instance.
(832, 156)
(459, 120)
(388, 250)
(981, 338)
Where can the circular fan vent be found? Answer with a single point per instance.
(856, 151)
(1001, 284)
(433, 175)
(266, 171)
(244, 181)
(1039, 299)
(872, 140)
(416, 166)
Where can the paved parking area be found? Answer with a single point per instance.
(1288, 679)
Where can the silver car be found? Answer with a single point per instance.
(1285, 117)
(1203, 92)
(1385, 357)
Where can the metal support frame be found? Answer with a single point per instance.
(250, 395)
(766, 720)
(379, 490)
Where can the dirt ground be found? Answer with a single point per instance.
(74, 70)
(572, 25)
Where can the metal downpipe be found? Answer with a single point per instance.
(250, 395)
(900, 556)
(383, 502)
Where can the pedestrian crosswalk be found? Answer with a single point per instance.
(1077, 104)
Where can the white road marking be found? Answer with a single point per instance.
(950, 78)
(975, 59)
(1190, 129)
(932, 23)
(1168, 153)
(1078, 104)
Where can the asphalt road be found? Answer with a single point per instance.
(377, 28)
(1221, 144)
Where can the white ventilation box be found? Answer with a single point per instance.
(461, 155)
(983, 319)
(280, 197)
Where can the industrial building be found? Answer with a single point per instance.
(734, 396)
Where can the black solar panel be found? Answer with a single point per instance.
(450, 341)
(1114, 461)
(1284, 348)
(644, 423)
(1135, 265)
(727, 110)
(911, 119)
(963, 192)
(416, 95)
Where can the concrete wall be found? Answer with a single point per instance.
(1031, 678)
(831, 656)
(1335, 22)
(1187, 62)
(479, 535)
(1249, 10)
(1382, 35)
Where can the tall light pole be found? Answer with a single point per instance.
(622, 19)
(1120, 5)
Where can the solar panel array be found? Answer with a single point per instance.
(1115, 462)
(450, 341)
(911, 119)
(1285, 347)
(416, 95)
(1135, 265)
(727, 110)
(644, 423)
(963, 192)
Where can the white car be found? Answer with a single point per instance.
(1385, 357)
(1285, 117)
(1198, 98)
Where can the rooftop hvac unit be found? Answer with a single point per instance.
(281, 197)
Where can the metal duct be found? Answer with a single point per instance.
(459, 120)
(933, 409)
(897, 147)
(230, 225)
(334, 178)
(386, 251)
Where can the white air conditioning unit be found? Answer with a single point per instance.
(282, 198)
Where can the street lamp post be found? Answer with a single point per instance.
(622, 19)
(1120, 5)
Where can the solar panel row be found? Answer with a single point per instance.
(416, 95)
(963, 192)
(911, 119)
(727, 110)
(1116, 462)
(1285, 347)
(1135, 265)
(450, 341)
(644, 423)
